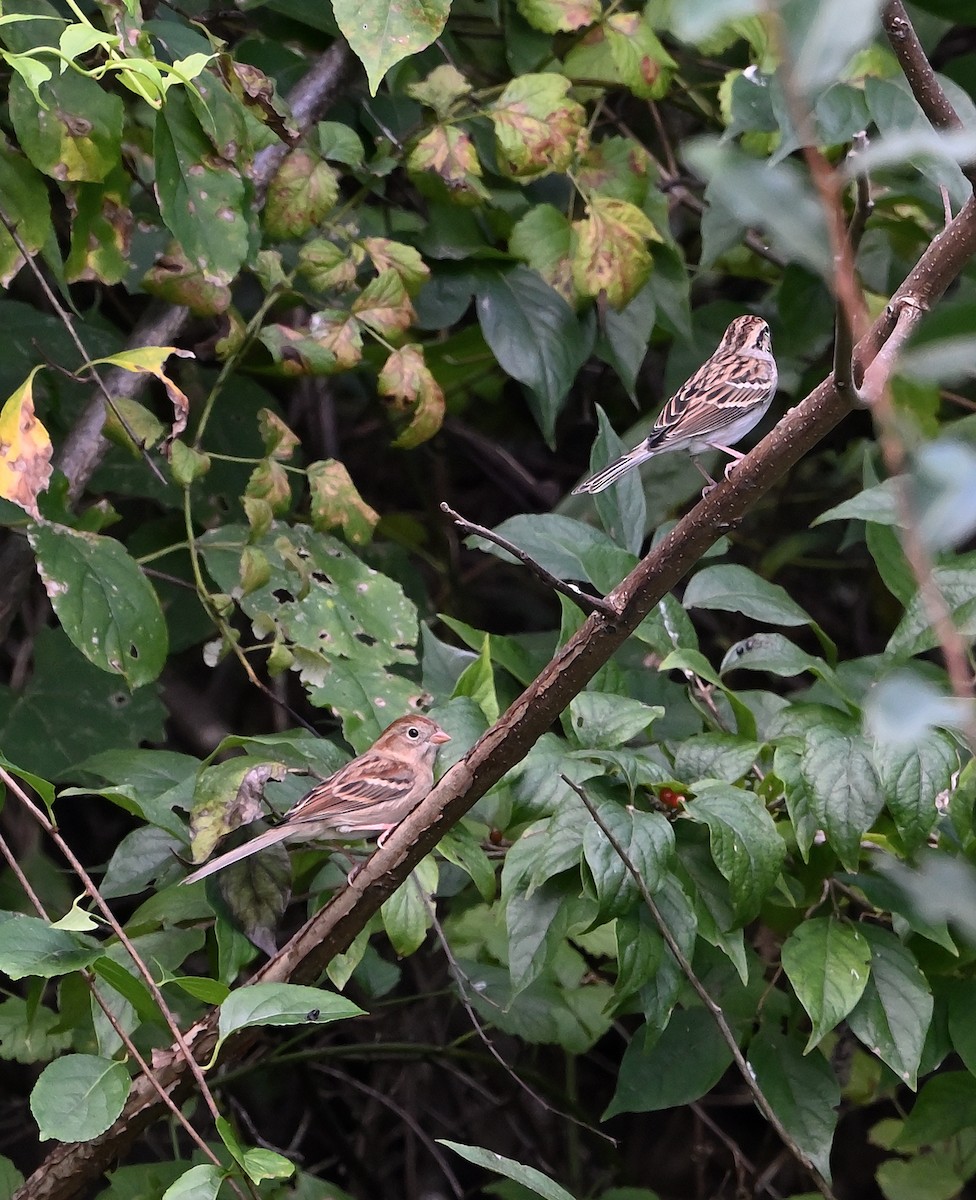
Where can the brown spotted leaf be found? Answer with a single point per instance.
(413, 390)
(611, 254)
(300, 195)
(623, 50)
(172, 278)
(329, 267)
(537, 127)
(279, 441)
(296, 352)
(384, 305)
(269, 481)
(542, 239)
(559, 16)
(336, 504)
(339, 334)
(25, 449)
(386, 255)
(447, 156)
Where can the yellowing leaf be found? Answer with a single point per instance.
(386, 255)
(559, 16)
(449, 154)
(611, 254)
(296, 352)
(340, 334)
(412, 389)
(336, 504)
(537, 127)
(542, 239)
(150, 359)
(644, 65)
(302, 192)
(442, 87)
(269, 481)
(328, 266)
(25, 449)
(279, 441)
(384, 305)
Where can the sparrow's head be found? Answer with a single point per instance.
(748, 333)
(413, 737)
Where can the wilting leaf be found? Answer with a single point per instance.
(611, 252)
(300, 195)
(407, 380)
(25, 449)
(336, 504)
(538, 129)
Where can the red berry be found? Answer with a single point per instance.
(670, 798)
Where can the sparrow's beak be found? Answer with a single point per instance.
(440, 737)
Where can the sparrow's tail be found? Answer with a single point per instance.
(603, 479)
(269, 838)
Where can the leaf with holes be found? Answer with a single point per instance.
(104, 602)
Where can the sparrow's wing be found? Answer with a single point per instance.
(702, 406)
(372, 779)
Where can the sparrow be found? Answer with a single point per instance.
(728, 394)
(370, 794)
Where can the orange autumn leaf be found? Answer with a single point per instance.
(25, 449)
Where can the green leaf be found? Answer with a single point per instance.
(647, 839)
(478, 682)
(408, 913)
(913, 776)
(30, 1033)
(562, 545)
(728, 587)
(825, 37)
(534, 335)
(878, 504)
(53, 732)
(381, 32)
(281, 1004)
(893, 1016)
(714, 756)
(104, 602)
(78, 1097)
(10, 1178)
(914, 633)
(30, 946)
(202, 198)
(601, 720)
(77, 136)
(462, 848)
(681, 1066)
(528, 1177)
(801, 1090)
(777, 199)
(199, 1183)
(827, 962)
(839, 771)
(745, 845)
(945, 1106)
(774, 653)
(25, 203)
(622, 509)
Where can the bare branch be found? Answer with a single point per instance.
(589, 604)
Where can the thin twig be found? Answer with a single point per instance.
(50, 829)
(463, 982)
(67, 322)
(383, 1098)
(702, 992)
(589, 604)
(131, 1049)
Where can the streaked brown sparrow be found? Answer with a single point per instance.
(370, 794)
(718, 405)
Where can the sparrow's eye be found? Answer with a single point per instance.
(413, 733)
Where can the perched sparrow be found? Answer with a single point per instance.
(718, 405)
(371, 794)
